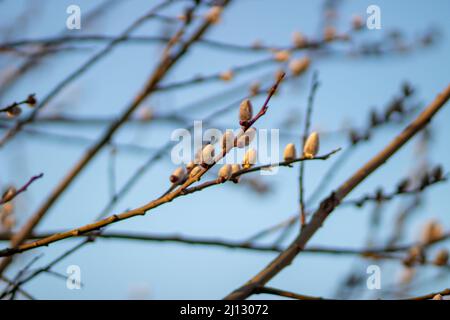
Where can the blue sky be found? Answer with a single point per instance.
(114, 269)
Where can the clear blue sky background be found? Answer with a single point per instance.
(118, 269)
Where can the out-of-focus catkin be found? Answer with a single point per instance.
(298, 66)
(441, 258)
(431, 231)
(214, 14)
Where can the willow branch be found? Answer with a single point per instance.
(161, 70)
(331, 202)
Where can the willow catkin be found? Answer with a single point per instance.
(177, 175)
(234, 169)
(289, 153)
(208, 154)
(282, 56)
(311, 147)
(246, 138)
(441, 258)
(249, 158)
(228, 140)
(213, 15)
(431, 231)
(299, 66)
(245, 110)
(225, 172)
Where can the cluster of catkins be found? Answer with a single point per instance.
(206, 156)
(310, 149)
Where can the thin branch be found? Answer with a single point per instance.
(309, 110)
(11, 195)
(286, 294)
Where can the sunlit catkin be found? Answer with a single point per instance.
(249, 158)
(245, 110)
(311, 147)
(225, 172)
(289, 153)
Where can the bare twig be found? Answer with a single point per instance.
(10, 196)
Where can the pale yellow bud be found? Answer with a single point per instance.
(438, 297)
(208, 154)
(282, 56)
(249, 158)
(245, 110)
(299, 66)
(311, 147)
(227, 75)
(228, 141)
(246, 138)
(289, 152)
(213, 15)
(177, 175)
(225, 172)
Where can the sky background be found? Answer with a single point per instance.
(116, 269)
